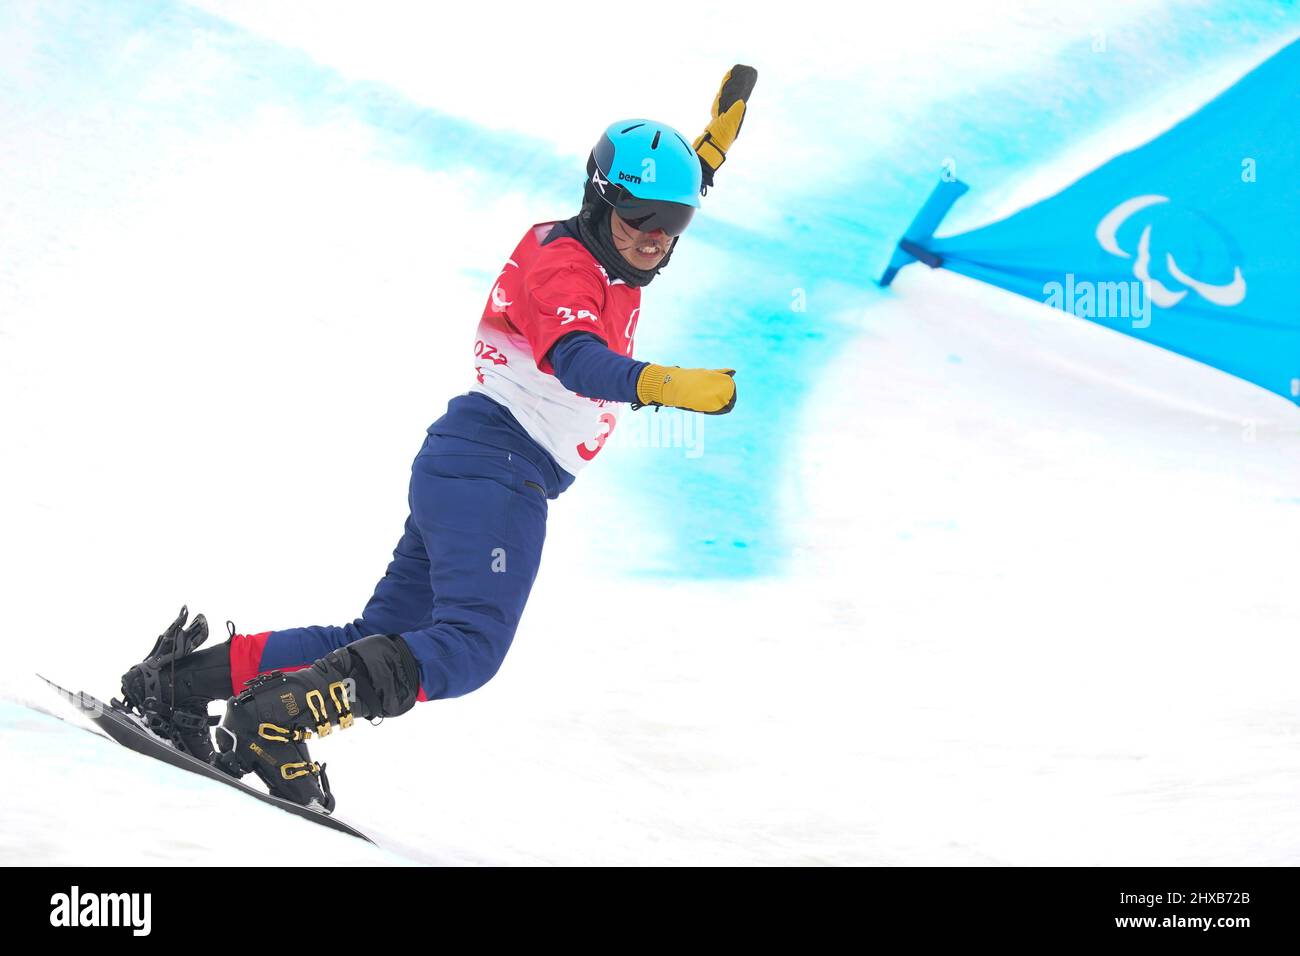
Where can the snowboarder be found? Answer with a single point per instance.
(553, 367)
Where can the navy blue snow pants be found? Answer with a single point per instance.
(460, 575)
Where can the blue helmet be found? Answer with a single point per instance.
(648, 173)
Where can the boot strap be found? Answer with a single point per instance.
(338, 692)
(189, 723)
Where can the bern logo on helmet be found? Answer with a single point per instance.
(624, 177)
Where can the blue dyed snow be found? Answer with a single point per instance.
(720, 516)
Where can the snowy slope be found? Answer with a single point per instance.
(961, 581)
(1070, 597)
(116, 808)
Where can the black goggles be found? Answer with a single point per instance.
(649, 215)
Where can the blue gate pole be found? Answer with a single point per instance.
(911, 248)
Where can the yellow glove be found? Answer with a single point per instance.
(712, 391)
(728, 114)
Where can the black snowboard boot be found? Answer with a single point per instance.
(265, 729)
(170, 689)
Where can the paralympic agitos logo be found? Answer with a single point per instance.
(1189, 233)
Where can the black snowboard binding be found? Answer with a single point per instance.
(170, 689)
(266, 727)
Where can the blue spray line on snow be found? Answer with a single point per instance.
(719, 512)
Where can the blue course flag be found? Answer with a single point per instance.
(1191, 242)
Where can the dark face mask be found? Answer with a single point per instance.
(593, 227)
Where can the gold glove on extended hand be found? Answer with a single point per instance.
(712, 391)
(728, 115)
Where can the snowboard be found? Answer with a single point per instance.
(125, 728)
